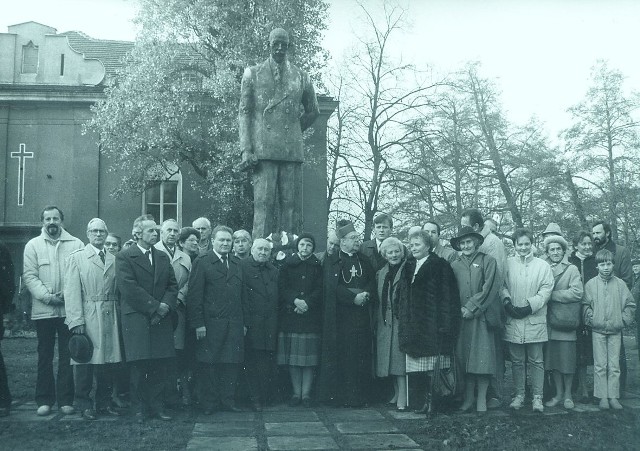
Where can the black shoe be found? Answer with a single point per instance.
(89, 414)
(427, 408)
(295, 401)
(306, 402)
(163, 416)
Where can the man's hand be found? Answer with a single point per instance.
(249, 161)
(78, 329)
(56, 299)
(162, 310)
(466, 313)
(301, 305)
(201, 332)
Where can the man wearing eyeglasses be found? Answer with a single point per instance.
(92, 308)
(45, 259)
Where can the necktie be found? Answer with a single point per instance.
(101, 255)
(225, 262)
(148, 255)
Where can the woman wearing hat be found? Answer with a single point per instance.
(300, 286)
(390, 361)
(429, 317)
(563, 309)
(478, 285)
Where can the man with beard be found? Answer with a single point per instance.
(45, 263)
(260, 305)
(382, 228)
(622, 269)
(148, 293)
(349, 281)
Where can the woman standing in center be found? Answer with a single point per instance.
(429, 316)
(479, 286)
(390, 361)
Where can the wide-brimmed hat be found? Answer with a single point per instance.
(465, 231)
(80, 348)
(552, 228)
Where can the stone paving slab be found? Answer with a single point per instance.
(235, 428)
(406, 415)
(26, 415)
(224, 417)
(78, 417)
(296, 428)
(343, 415)
(633, 403)
(289, 416)
(364, 427)
(301, 443)
(223, 443)
(378, 441)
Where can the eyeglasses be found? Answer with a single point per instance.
(98, 231)
(108, 244)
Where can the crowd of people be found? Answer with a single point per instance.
(177, 317)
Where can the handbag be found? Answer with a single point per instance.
(564, 316)
(444, 379)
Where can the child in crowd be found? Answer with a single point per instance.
(609, 306)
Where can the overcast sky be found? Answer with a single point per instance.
(540, 51)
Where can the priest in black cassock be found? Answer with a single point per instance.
(349, 286)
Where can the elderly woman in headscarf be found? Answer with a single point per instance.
(563, 320)
(429, 316)
(390, 361)
(479, 285)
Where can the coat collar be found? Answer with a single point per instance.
(91, 256)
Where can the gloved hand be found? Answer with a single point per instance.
(517, 312)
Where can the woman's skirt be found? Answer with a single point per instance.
(560, 356)
(298, 349)
(422, 364)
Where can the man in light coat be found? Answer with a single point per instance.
(45, 259)
(272, 95)
(92, 308)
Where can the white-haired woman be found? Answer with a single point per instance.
(390, 361)
(563, 320)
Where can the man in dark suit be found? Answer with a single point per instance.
(148, 294)
(271, 126)
(214, 310)
(382, 229)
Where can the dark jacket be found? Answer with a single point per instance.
(588, 267)
(142, 288)
(370, 250)
(429, 319)
(7, 282)
(260, 304)
(214, 300)
(303, 280)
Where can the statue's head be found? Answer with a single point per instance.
(278, 44)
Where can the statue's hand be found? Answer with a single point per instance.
(249, 161)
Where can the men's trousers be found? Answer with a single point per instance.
(104, 375)
(5, 395)
(260, 369)
(148, 378)
(217, 384)
(46, 391)
(606, 365)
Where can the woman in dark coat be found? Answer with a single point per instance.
(478, 284)
(300, 285)
(585, 261)
(430, 314)
(390, 361)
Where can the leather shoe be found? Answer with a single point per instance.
(89, 414)
(163, 416)
(109, 411)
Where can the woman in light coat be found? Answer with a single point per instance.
(527, 288)
(390, 361)
(560, 353)
(478, 284)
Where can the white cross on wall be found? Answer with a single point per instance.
(22, 159)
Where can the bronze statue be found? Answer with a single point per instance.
(277, 103)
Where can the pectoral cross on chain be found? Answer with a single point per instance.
(353, 271)
(22, 160)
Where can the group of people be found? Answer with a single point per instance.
(181, 313)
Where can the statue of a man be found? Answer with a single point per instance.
(277, 103)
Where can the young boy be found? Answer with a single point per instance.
(608, 308)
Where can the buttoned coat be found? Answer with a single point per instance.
(214, 300)
(260, 299)
(90, 299)
(181, 264)
(301, 279)
(567, 289)
(270, 119)
(142, 288)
